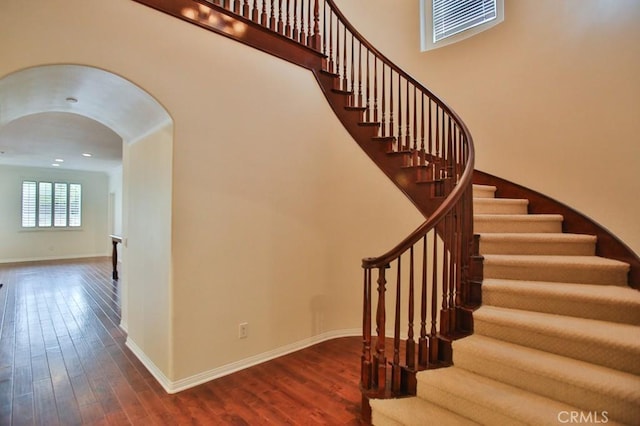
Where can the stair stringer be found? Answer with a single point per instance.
(542, 350)
(365, 134)
(226, 23)
(608, 245)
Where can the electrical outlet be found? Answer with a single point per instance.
(243, 330)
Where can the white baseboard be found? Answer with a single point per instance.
(206, 376)
(153, 369)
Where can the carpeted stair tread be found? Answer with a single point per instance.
(413, 411)
(612, 345)
(485, 400)
(538, 243)
(500, 206)
(484, 191)
(535, 223)
(578, 269)
(605, 303)
(558, 331)
(587, 386)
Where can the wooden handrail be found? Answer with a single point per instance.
(429, 224)
(396, 68)
(415, 138)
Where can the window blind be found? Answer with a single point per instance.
(75, 204)
(28, 204)
(454, 16)
(60, 205)
(45, 202)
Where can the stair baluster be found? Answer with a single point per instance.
(383, 119)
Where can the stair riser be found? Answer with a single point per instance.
(582, 274)
(465, 407)
(552, 304)
(484, 400)
(480, 191)
(380, 419)
(537, 248)
(535, 382)
(623, 359)
(413, 411)
(494, 207)
(506, 225)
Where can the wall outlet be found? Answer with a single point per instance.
(243, 330)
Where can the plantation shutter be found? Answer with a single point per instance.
(45, 203)
(28, 204)
(453, 16)
(60, 204)
(75, 204)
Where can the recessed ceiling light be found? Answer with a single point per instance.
(72, 100)
(86, 154)
(55, 165)
(59, 160)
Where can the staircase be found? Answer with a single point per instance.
(558, 332)
(557, 336)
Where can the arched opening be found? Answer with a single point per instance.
(54, 111)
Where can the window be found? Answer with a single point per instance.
(448, 21)
(47, 204)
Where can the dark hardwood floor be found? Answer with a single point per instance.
(63, 362)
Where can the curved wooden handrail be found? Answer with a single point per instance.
(439, 250)
(396, 68)
(415, 138)
(465, 182)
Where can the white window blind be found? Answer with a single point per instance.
(60, 205)
(45, 200)
(28, 204)
(46, 204)
(454, 16)
(75, 204)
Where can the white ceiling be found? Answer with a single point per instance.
(40, 121)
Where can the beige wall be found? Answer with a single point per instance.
(274, 207)
(273, 204)
(18, 244)
(551, 95)
(147, 277)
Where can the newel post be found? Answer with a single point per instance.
(380, 359)
(365, 361)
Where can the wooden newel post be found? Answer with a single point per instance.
(115, 239)
(380, 363)
(365, 368)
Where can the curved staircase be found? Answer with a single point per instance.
(557, 337)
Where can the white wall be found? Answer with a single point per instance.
(115, 194)
(551, 95)
(20, 244)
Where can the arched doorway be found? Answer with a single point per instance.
(129, 134)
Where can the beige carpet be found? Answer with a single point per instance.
(556, 341)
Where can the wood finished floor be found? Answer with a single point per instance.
(63, 362)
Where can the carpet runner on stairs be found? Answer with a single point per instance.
(556, 341)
